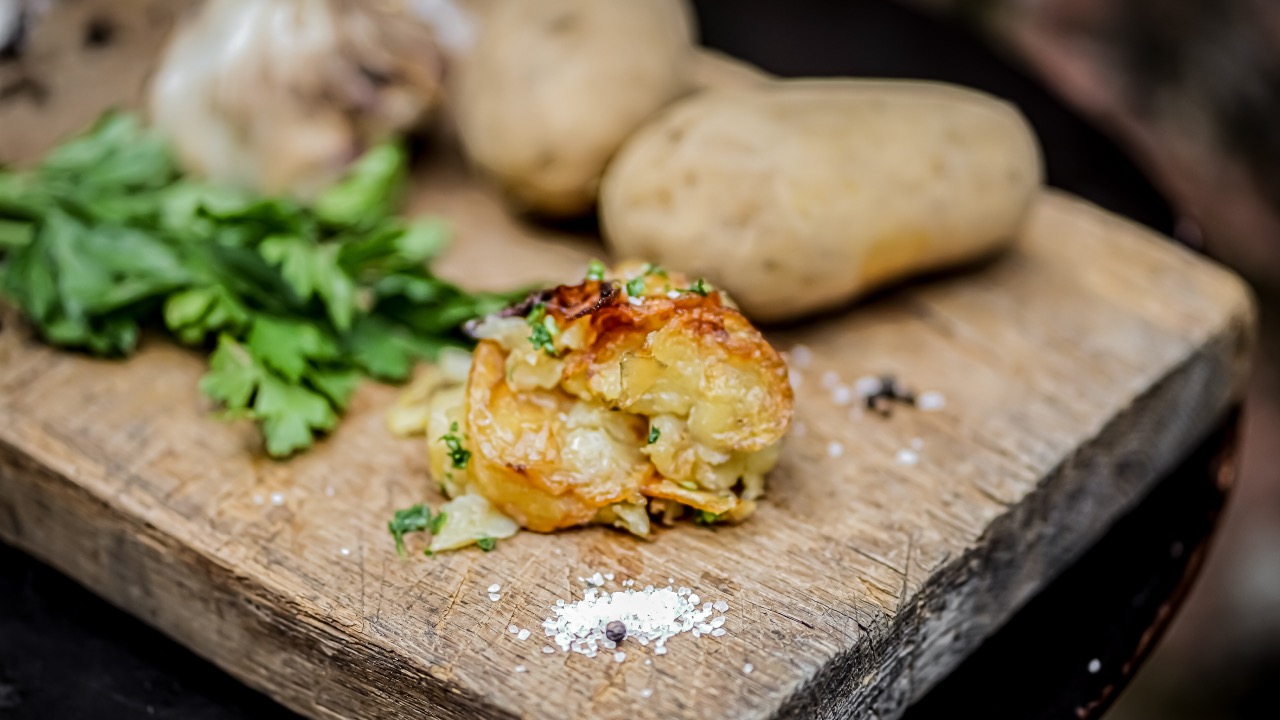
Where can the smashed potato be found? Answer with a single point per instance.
(636, 392)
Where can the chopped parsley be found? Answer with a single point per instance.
(542, 330)
(635, 286)
(437, 523)
(595, 270)
(708, 518)
(411, 519)
(458, 455)
(651, 269)
(654, 434)
(699, 286)
(487, 543)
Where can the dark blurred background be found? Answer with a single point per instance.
(1166, 111)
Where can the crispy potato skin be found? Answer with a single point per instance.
(651, 390)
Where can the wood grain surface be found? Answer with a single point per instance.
(1077, 369)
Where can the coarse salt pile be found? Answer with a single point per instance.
(652, 615)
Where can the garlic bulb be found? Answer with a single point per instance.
(279, 96)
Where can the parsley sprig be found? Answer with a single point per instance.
(106, 238)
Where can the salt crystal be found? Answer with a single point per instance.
(345, 551)
(596, 580)
(653, 615)
(673, 294)
(694, 599)
(648, 661)
(867, 385)
(646, 693)
(842, 395)
(660, 650)
(720, 605)
(830, 379)
(277, 498)
(328, 491)
(718, 632)
(907, 457)
(619, 656)
(495, 588)
(931, 401)
(717, 621)
(513, 629)
(608, 576)
(1094, 666)
(520, 668)
(797, 380)
(495, 597)
(547, 649)
(801, 356)
(835, 449)
(747, 668)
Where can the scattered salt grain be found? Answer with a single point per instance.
(931, 401)
(547, 649)
(608, 576)
(495, 588)
(801, 356)
(619, 656)
(908, 457)
(328, 491)
(720, 605)
(718, 632)
(842, 395)
(651, 616)
(648, 661)
(646, 693)
(345, 551)
(635, 300)
(495, 597)
(523, 634)
(835, 449)
(747, 668)
(830, 379)
(520, 668)
(797, 380)
(277, 498)
(673, 294)
(1094, 666)
(672, 580)
(513, 629)
(867, 386)
(596, 580)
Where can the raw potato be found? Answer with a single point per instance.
(799, 196)
(553, 87)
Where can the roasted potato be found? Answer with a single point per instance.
(633, 392)
(800, 196)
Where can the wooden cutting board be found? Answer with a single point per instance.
(1076, 370)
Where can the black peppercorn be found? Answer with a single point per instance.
(615, 631)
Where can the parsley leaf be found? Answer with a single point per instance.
(654, 434)
(707, 518)
(458, 455)
(411, 519)
(106, 237)
(699, 287)
(487, 543)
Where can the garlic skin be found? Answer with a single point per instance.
(279, 96)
